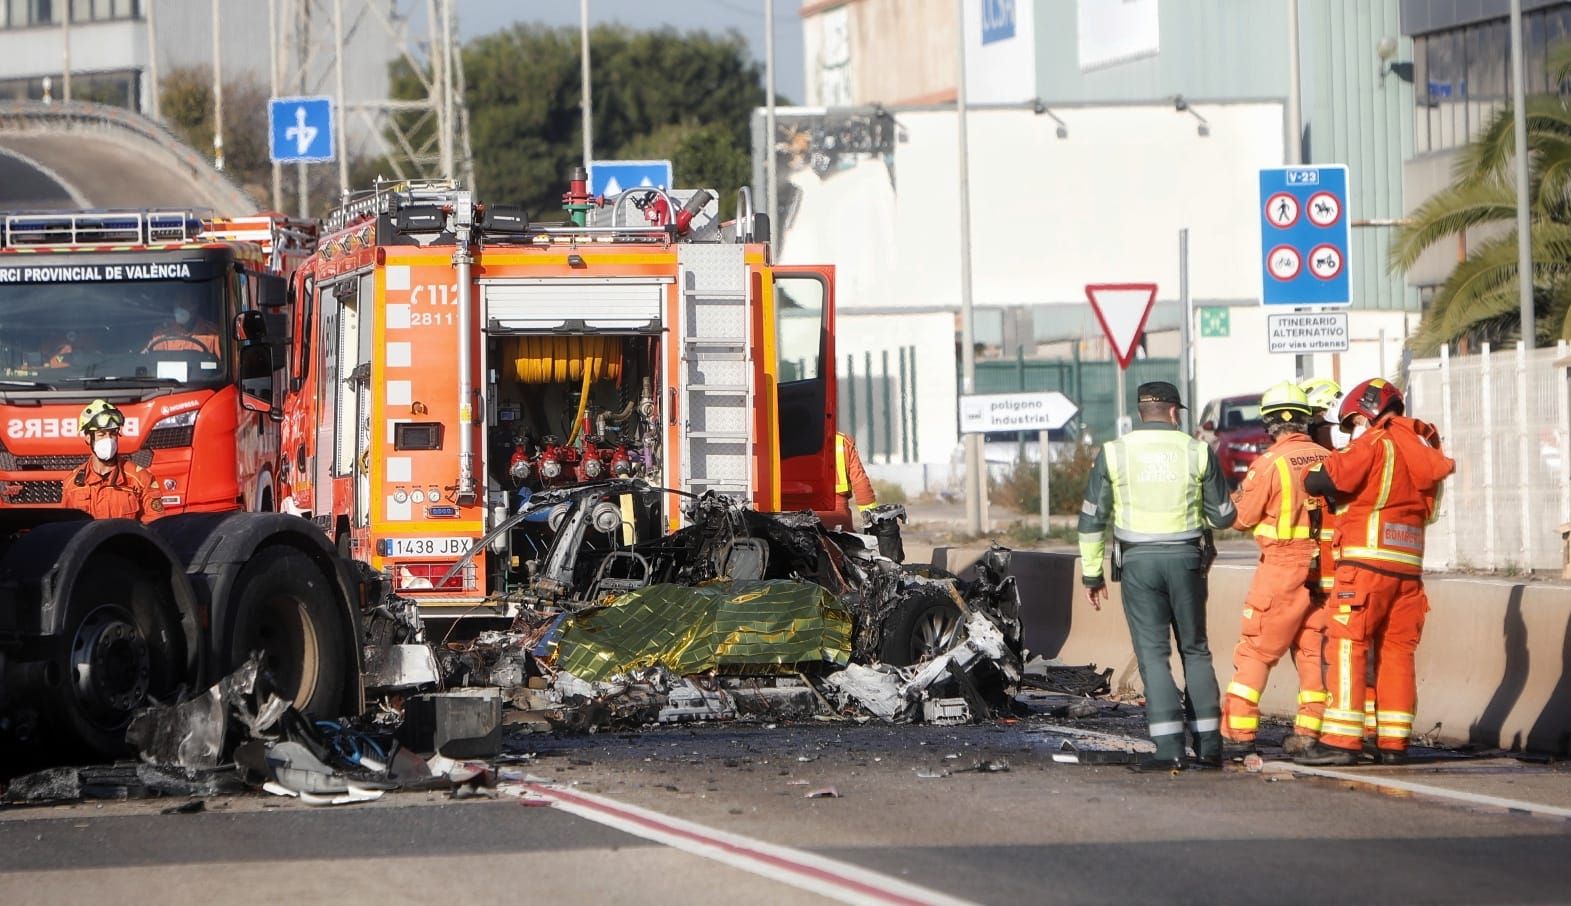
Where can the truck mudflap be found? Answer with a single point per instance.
(95, 617)
(274, 582)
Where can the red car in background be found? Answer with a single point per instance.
(1234, 429)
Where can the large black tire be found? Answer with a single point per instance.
(283, 605)
(924, 623)
(122, 642)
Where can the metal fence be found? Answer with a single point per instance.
(1505, 417)
(877, 405)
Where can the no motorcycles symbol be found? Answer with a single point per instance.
(1284, 262)
(1325, 261)
(1324, 209)
(1282, 210)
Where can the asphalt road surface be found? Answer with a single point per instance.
(914, 821)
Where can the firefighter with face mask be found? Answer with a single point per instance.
(1277, 611)
(1387, 482)
(108, 485)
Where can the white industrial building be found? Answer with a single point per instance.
(1096, 133)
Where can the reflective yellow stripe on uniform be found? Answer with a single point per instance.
(1310, 697)
(1308, 722)
(1394, 717)
(842, 480)
(1243, 722)
(1395, 732)
(1380, 553)
(1244, 692)
(1284, 518)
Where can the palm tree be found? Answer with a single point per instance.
(1479, 301)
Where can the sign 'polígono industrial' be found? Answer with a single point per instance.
(1302, 333)
(988, 412)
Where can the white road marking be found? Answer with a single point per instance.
(1424, 789)
(807, 871)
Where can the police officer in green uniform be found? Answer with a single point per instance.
(1162, 490)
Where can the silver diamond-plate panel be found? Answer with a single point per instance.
(724, 319)
(719, 461)
(718, 413)
(713, 269)
(709, 371)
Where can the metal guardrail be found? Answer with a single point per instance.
(84, 116)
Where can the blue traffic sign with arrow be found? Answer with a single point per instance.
(613, 177)
(1304, 236)
(300, 130)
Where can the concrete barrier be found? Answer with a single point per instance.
(1494, 667)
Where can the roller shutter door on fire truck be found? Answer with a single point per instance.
(600, 304)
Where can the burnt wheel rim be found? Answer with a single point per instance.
(290, 648)
(111, 668)
(934, 632)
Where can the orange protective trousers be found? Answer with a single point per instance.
(1370, 610)
(1279, 615)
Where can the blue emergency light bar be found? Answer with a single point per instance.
(62, 229)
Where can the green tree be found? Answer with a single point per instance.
(185, 100)
(687, 96)
(1480, 300)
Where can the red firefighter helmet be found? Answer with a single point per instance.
(1371, 399)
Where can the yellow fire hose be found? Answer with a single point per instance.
(561, 360)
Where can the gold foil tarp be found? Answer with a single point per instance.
(773, 623)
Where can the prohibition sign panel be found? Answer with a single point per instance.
(1325, 209)
(1304, 236)
(1282, 210)
(1325, 261)
(1284, 263)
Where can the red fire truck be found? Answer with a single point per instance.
(175, 320)
(454, 359)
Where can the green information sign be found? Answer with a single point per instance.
(1213, 322)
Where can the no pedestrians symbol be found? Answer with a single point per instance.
(1282, 210)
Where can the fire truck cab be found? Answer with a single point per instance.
(177, 321)
(454, 360)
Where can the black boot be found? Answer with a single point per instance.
(1154, 765)
(1327, 756)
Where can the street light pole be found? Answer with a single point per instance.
(771, 172)
(218, 90)
(1524, 227)
(974, 485)
(588, 107)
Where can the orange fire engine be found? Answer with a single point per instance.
(178, 321)
(453, 359)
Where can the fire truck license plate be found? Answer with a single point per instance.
(430, 547)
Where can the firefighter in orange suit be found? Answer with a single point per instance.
(1323, 394)
(108, 485)
(1272, 501)
(851, 484)
(1387, 483)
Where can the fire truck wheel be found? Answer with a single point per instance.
(122, 642)
(924, 623)
(284, 607)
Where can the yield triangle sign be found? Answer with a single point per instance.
(1122, 309)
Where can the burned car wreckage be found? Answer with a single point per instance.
(738, 593)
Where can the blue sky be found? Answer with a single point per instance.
(478, 17)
